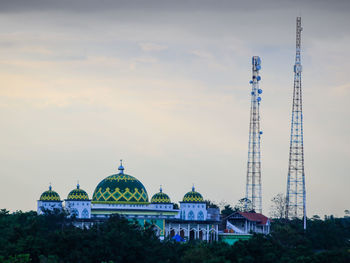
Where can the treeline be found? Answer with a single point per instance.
(27, 237)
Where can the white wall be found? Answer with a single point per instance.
(82, 209)
(191, 211)
(44, 205)
(161, 206)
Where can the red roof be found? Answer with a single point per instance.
(256, 217)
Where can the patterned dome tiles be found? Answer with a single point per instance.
(160, 198)
(50, 196)
(120, 188)
(193, 197)
(78, 195)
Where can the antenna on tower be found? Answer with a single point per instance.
(253, 186)
(296, 193)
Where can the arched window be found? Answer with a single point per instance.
(85, 213)
(200, 215)
(191, 215)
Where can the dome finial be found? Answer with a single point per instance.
(121, 167)
(78, 185)
(192, 187)
(160, 189)
(50, 187)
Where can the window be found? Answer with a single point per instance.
(85, 213)
(191, 215)
(200, 215)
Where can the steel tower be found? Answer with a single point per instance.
(253, 186)
(296, 194)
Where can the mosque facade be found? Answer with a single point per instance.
(125, 195)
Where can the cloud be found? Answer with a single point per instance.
(180, 5)
(202, 54)
(152, 47)
(341, 90)
(163, 83)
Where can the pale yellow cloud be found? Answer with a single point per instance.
(341, 90)
(152, 47)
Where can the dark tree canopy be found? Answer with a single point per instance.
(51, 238)
(211, 204)
(228, 210)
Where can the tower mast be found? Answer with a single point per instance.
(253, 186)
(296, 193)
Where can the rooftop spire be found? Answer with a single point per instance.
(160, 189)
(50, 187)
(121, 167)
(193, 188)
(78, 185)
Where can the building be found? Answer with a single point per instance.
(49, 200)
(78, 203)
(241, 225)
(125, 195)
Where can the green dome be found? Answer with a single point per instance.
(78, 195)
(50, 196)
(120, 189)
(193, 197)
(160, 198)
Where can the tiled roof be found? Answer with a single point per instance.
(256, 217)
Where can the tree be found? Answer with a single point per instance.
(21, 258)
(244, 205)
(228, 210)
(51, 238)
(279, 206)
(211, 204)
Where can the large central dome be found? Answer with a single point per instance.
(120, 189)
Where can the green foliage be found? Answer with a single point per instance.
(347, 213)
(228, 210)
(211, 204)
(49, 259)
(21, 258)
(52, 238)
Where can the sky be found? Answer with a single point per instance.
(164, 85)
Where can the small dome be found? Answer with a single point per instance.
(193, 197)
(120, 189)
(50, 196)
(160, 198)
(77, 195)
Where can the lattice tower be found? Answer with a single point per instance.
(296, 193)
(253, 186)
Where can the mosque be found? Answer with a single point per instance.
(125, 195)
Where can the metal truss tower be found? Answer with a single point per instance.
(253, 186)
(296, 193)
